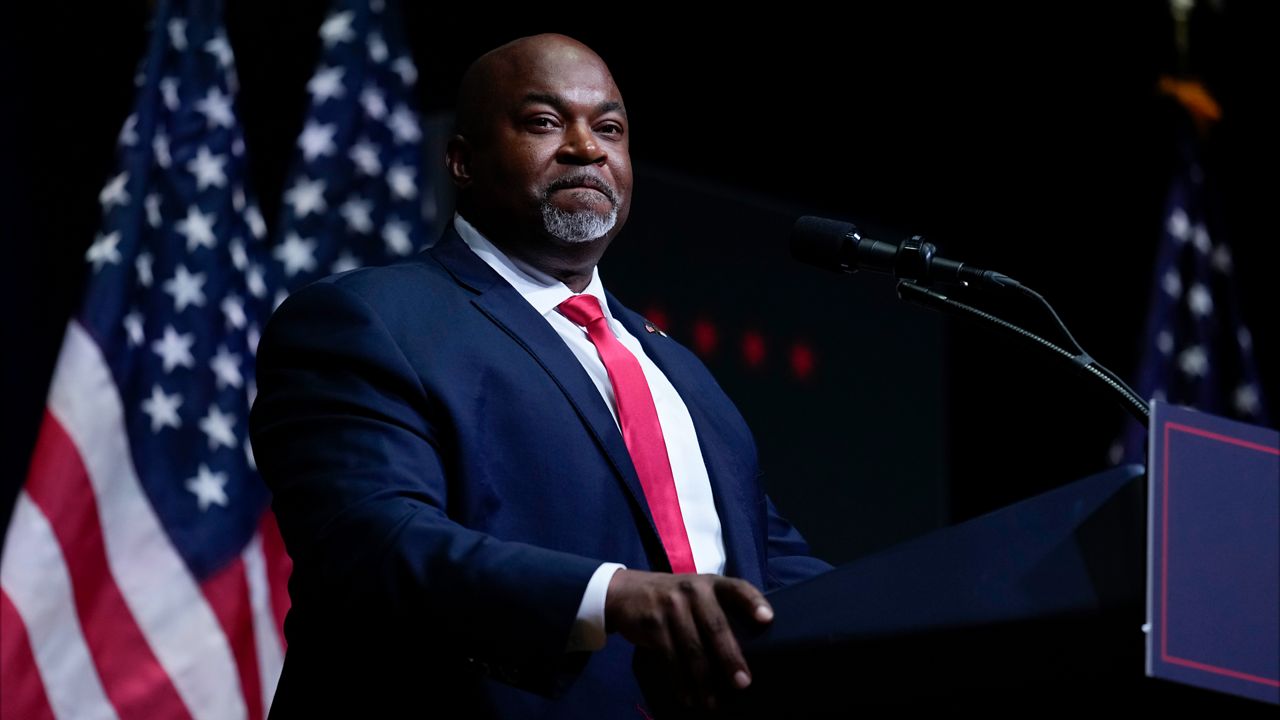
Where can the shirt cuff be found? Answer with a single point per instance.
(588, 629)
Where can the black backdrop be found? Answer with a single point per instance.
(1028, 138)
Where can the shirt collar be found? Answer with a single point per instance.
(541, 290)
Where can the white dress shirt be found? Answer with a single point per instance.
(693, 487)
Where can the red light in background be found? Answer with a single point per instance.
(753, 351)
(705, 337)
(657, 316)
(802, 361)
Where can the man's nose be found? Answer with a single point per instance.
(581, 146)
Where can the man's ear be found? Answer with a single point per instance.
(457, 159)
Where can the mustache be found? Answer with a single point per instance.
(583, 178)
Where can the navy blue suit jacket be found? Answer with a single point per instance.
(447, 478)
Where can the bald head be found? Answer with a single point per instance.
(477, 97)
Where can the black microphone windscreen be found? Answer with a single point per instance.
(819, 241)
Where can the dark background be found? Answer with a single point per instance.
(1029, 138)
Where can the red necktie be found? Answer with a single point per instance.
(640, 429)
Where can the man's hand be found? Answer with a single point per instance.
(685, 619)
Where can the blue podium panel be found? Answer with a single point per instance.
(1213, 563)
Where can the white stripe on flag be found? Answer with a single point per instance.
(266, 638)
(34, 575)
(162, 595)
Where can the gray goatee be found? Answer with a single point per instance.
(582, 225)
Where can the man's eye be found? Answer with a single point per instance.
(611, 129)
(542, 122)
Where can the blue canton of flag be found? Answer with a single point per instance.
(1197, 351)
(140, 576)
(356, 196)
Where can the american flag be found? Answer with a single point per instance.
(357, 192)
(1197, 350)
(141, 575)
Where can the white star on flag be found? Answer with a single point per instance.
(178, 34)
(1200, 238)
(365, 156)
(297, 254)
(356, 212)
(114, 193)
(255, 281)
(169, 93)
(306, 197)
(197, 228)
(160, 145)
(375, 106)
(133, 328)
(208, 169)
(1164, 342)
(104, 250)
(186, 288)
(326, 84)
(405, 69)
(1172, 283)
(257, 225)
(142, 264)
(404, 126)
(337, 28)
(1199, 300)
(346, 261)
(377, 48)
(129, 132)
(400, 178)
(221, 49)
(162, 409)
(226, 368)
(174, 349)
(216, 108)
(396, 235)
(209, 488)
(233, 310)
(1246, 400)
(1194, 361)
(239, 258)
(1179, 225)
(154, 218)
(316, 140)
(1221, 259)
(219, 427)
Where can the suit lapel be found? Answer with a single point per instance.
(506, 308)
(719, 453)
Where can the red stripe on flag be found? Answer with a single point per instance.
(133, 678)
(279, 566)
(228, 594)
(22, 692)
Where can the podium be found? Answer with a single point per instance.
(1038, 597)
(1034, 606)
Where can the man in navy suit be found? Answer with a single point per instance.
(477, 478)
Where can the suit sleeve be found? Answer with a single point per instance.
(356, 455)
(789, 559)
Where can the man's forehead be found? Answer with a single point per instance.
(552, 69)
(597, 99)
(578, 80)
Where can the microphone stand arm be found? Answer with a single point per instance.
(930, 298)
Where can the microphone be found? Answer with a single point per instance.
(838, 246)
